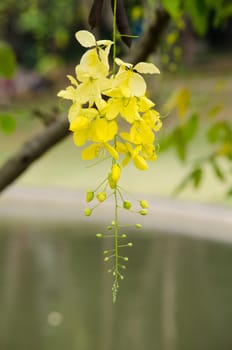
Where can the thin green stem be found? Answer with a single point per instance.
(114, 36)
(116, 236)
(101, 184)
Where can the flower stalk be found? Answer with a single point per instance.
(112, 119)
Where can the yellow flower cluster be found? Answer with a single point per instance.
(110, 112)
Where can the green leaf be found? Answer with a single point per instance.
(166, 141)
(7, 123)
(220, 131)
(180, 144)
(196, 177)
(217, 170)
(191, 127)
(198, 11)
(172, 6)
(229, 192)
(182, 185)
(7, 60)
(215, 110)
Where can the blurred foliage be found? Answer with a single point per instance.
(189, 121)
(7, 71)
(38, 27)
(7, 60)
(7, 123)
(200, 11)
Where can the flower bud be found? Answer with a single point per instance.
(111, 182)
(89, 196)
(130, 244)
(99, 235)
(115, 172)
(143, 204)
(138, 225)
(127, 205)
(143, 212)
(125, 258)
(88, 211)
(101, 196)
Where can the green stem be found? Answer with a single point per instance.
(116, 233)
(114, 36)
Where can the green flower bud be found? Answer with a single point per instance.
(143, 204)
(106, 259)
(138, 225)
(99, 235)
(88, 211)
(125, 258)
(101, 196)
(130, 244)
(124, 235)
(89, 196)
(127, 205)
(143, 212)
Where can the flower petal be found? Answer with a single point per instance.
(140, 162)
(146, 68)
(137, 85)
(90, 152)
(85, 38)
(112, 151)
(120, 62)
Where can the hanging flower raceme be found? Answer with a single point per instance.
(113, 118)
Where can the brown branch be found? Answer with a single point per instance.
(32, 150)
(149, 42)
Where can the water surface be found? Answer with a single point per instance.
(55, 293)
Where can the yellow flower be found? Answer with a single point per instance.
(118, 104)
(103, 130)
(94, 151)
(132, 154)
(148, 152)
(92, 75)
(152, 118)
(87, 39)
(140, 133)
(130, 82)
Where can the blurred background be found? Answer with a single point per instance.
(54, 289)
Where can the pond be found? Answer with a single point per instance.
(55, 293)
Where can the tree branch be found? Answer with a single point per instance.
(32, 150)
(150, 40)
